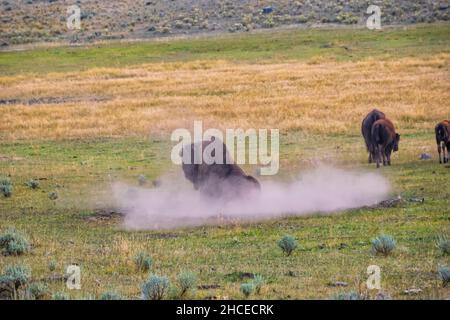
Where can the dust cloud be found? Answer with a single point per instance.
(321, 190)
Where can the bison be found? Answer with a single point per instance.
(442, 130)
(366, 130)
(225, 180)
(385, 140)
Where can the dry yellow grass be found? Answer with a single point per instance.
(329, 97)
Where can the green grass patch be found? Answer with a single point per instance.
(282, 45)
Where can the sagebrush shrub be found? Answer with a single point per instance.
(444, 275)
(384, 245)
(52, 265)
(111, 295)
(247, 289)
(258, 283)
(16, 275)
(143, 261)
(13, 242)
(443, 243)
(6, 186)
(155, 287)
(33, 184)
(352, 295)
(60, 296)
(37, 290)
(186, 281)
(288, 244)
(53, 195)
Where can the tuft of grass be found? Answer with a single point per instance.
(16, 276)
(247, 289)
(13, 242)
(444, 275)
(383, 244)
(5, 186)
(60, 295)
(155, 288)
(443, 243)
(186, 281)
(111, 295)
(37, 290)
(143, 261)
(288, 244)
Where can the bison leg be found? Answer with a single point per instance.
(377, 156)
(448, 153)
(383, 153)
(439, 151)
(371, 154)
(388, 151)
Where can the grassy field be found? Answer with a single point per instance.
(79, 118)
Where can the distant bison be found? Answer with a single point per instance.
(218, 180)
(443, 140)
(366, 130)
(385, 140)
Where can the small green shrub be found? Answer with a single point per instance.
(33, 184)
(288, 244)
(13, 242)
(111, 295)
(16, 275)
(5, 186)
(443, 243)
(247, 289)
(37, 290)
(186, 281)
(258, 283)
(383, 244)
(143, 261)
(444, 275)
(60, 295)
(155, 287)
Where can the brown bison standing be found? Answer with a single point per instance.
(226, 181)
(443, 139)
(366, 130)
(385, 140)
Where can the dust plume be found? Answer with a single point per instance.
(321, 190)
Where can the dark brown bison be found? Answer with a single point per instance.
(442, 130)
(385, 140)
(225, 180)
(366, 130)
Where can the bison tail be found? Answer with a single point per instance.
(376, 134)
(441, 133)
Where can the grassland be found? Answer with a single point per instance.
(77, 131)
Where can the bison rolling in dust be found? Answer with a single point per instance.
(223, 180)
